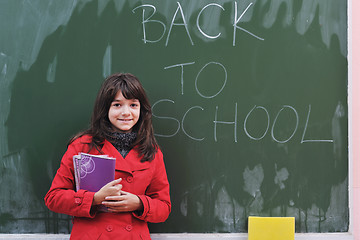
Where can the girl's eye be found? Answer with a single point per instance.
(134, 105)
(116, 105)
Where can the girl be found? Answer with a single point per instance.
(121, 128)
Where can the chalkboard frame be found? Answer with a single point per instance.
(298, 235)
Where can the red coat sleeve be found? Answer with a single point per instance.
(61, 197)
(156, 200)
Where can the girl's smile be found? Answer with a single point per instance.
(124, 113)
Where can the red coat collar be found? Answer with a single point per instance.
(128, 164)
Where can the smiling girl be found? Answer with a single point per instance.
(121, 128)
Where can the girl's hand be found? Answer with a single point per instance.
(113, 188)
(126, 202)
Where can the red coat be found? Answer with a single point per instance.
(148, 180)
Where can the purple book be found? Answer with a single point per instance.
(92, 172)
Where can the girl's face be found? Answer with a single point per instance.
(124, 113)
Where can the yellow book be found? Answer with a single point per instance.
(271, 228)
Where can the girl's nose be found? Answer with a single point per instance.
(125, 111)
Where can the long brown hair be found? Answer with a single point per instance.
(130, 88)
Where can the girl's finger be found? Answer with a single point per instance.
(116, 204)
(114, 198)
(113, 183)
(116, 181)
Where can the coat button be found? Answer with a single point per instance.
(129, 179)
(78, 201)
(109, 228)
(128, 228)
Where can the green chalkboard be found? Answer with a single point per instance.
(249, 104)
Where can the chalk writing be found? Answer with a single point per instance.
(168, 118)
(198, 18)
(216, 122)
(306, 126)
(268, 123)
(182, 73)
(236, 20)
(182, 123)
(147, 20)
(197, 77)
(178, 24)
(179, 13)
(296, 126)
